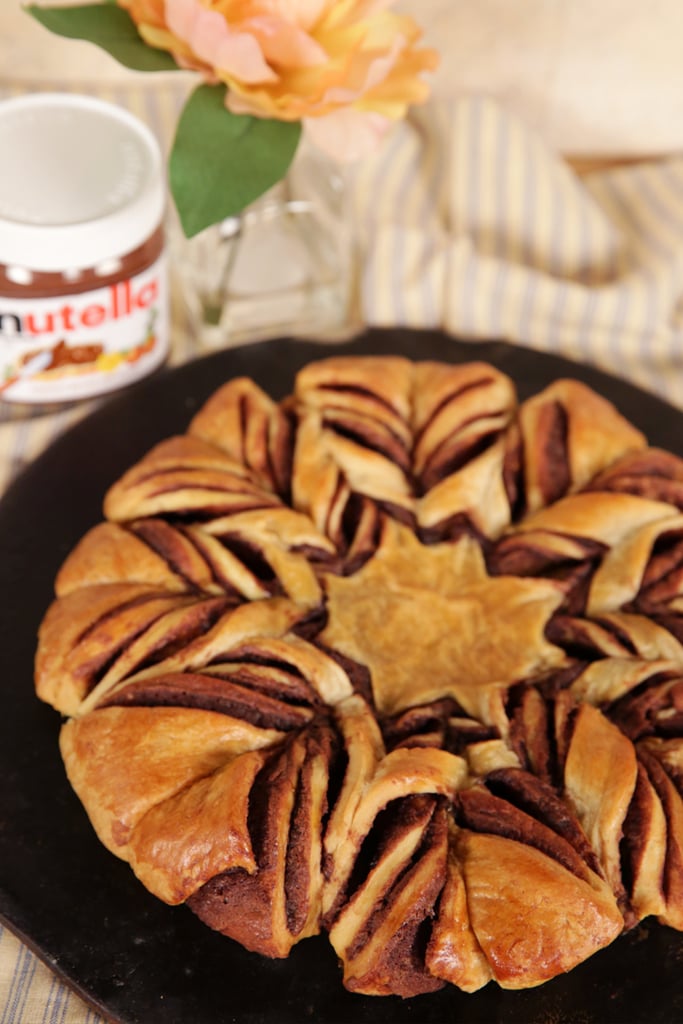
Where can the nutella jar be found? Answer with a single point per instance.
(83, 286)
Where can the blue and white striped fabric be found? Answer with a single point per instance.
(31, 994)
(464, 220)
(468, 222)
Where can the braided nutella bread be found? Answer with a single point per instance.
(398, 659)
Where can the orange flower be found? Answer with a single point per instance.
(342, 67)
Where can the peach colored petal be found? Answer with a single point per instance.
(377, 71)
(304, 13)
(214, 42)
(284, 44)
(347, 135)
(188, 64)
(240, 56)
(180, 16)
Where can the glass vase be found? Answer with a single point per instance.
(283, 267)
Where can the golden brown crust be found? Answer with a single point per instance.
(459, 412)
(396, 658)
(569, 435)
(84, 632)
(185, 475)
(109, 553)
(122, 761)
(454, 953)
(241, 420)
(184, 841)
(532, 918)
(600, 776)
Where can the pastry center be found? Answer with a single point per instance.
(429, 622)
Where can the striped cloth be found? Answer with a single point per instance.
(471, 224)
(463, 220)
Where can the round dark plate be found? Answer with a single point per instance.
(84, 913)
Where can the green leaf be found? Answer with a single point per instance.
(108, 26)
(221, 162)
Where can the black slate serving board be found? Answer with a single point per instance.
(81, 910)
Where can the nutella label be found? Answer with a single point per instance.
(78, 345)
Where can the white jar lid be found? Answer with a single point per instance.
(81, 181)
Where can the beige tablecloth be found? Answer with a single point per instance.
(465, 220)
